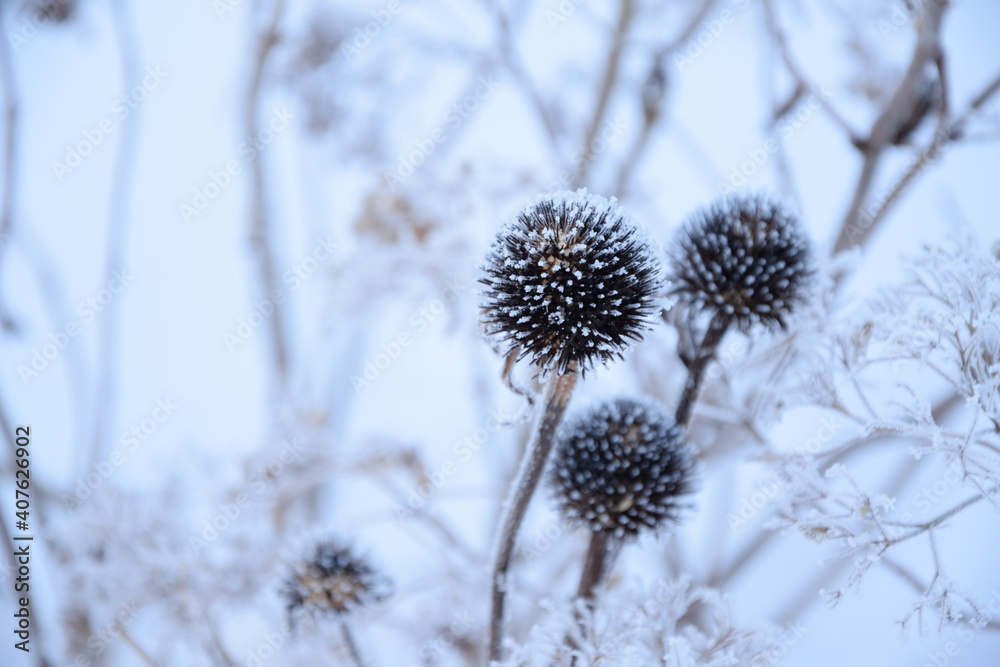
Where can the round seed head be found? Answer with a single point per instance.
(571, 280)
(332, 580)
(745, 259)
(623, 468)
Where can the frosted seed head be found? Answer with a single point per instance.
(744, 258)
(622, 468)
(550, 265)
(332, 580)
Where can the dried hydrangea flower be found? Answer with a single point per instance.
(744, 260)
(623, 468)
(570, 281)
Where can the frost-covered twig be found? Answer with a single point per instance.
(557, 395)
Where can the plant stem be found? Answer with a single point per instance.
(352, 647)
(696, 370)
(596, 565)
(557, 394)
(600, 554)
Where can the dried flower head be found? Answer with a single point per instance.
(332, 580)
(744, 259)
(571, 280)
(623, 468)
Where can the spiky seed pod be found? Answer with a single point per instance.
(571, 280)
(332, 580)
(623, 468)
(744, 259)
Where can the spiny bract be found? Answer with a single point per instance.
(571, 280)
(622, 468)
(334, 581)
(742, 259)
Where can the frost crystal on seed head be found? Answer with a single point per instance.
(745, 259)
(570, 280)
(332, 581)
(622, 468)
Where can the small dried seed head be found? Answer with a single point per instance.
(332, 580)
(571, 280)
(745, 259)
(622, 468)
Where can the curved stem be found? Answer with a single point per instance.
(696, 369)
(557, 395)
(120, 199)
(261, 228)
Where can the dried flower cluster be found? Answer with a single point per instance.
(743, 259)
(332, 581)
(623, 468)
(570, 280)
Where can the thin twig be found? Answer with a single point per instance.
(352, 646)
(802, 81)
(653, 93)
(124, 171)
(260, 228)
(931, 153)
(511, 59)
(855, 230)
(608, 83)
(127, 638)
(12, 111)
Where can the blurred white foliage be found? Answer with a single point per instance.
(645, 625)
